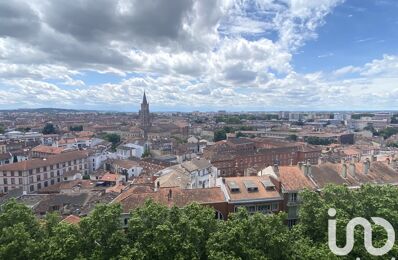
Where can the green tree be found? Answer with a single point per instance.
(21, 236)
(146, 153)
(49, 129)
(159, 232)
(250, 237)
(76, 128)
(220, 135)
(64, 243)
(102, 236)
(113, 138)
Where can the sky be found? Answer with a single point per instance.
(234, 55)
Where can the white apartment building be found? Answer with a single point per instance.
(32, 175)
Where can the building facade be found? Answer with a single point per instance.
(33, 175)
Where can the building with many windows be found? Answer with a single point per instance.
(33, 175)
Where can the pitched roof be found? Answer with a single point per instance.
(243, 194)
(293, 179)
(48, 149)
(36, 163)
(71, 219)
(179, 197)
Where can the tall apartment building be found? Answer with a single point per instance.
(32, 175)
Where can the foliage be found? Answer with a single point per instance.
(388, 132)
(146, 153)
(314, 140)
(360, 115)
(298, 123)
(76, 128)
(394, 119)
(292, 137)
(157, 231)
(49, 129)
(219, 135)
(368, 201)
(113, 138)
(23, 129)
(240, 134)
(238, 119)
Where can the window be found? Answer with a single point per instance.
(39, 186)
(266, 208)
(52, 174)
(275, 206)
(5, 189)
(32, 188)
(38, 177)
(52, 182)
(251, 209)
(12, 173)
(292, 197)
(12, 180)
(30, 172)
(30, 179)
(45, 183)
(20, 181)
(58, 179)
(5, 181)
(291, 222)
(19, 173)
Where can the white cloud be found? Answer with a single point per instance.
(232, 54)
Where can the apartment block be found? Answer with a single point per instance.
(33, 175)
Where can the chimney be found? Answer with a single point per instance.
(344, 170)
(300, 165)
(354, 159)
(366, 166)
(352, 169)
(170, 195)
(307, 169)
(276, 169)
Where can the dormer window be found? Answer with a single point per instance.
(268, 185)
(233, 187)
(250, 186)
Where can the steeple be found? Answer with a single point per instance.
(145, 116)
(144, 99)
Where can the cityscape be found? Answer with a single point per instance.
(198, 129)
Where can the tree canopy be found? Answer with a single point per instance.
(49, 129)
(156, 231)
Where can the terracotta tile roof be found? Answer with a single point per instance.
(127, 164)
(110, 177)
(72, 219)
(48, 149)
(68, 185)
(179, 197)
(378, 173)
(244, 194)
(293, 179)
(36, 163)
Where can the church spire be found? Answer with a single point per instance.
(144, 99)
